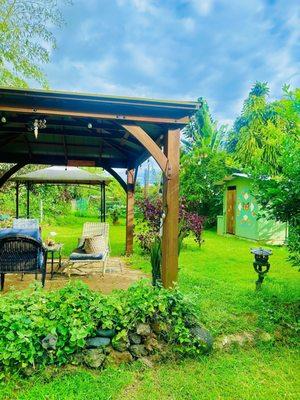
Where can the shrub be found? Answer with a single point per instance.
(294, 244)
(115, 212)
(152, 210)
(75, 312)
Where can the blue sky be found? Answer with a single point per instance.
(178, 49)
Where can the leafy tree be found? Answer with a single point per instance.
(203, 163)
(257, 139)
(26, 39)
(280, 196)
(199, 175)
(265, 144)
(258, 133)
(203, 132)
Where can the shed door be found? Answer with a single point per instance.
(230, 212)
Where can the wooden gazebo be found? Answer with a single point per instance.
(59, 128)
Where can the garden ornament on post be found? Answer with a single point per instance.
(261, 264)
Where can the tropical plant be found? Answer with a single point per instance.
(26, 39)
(156, 258)
(203, 131)
(259, 132)
(203, 164)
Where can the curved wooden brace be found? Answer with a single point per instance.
(149, 145)
(5, 177)
(118, 178)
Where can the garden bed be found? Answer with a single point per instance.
(80, 326)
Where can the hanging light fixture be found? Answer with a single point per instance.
(38, 124)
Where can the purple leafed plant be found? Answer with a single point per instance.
(152, 210)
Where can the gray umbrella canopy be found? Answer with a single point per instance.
(63, 175)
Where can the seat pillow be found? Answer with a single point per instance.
(94, 245)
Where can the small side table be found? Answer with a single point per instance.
(56, 248)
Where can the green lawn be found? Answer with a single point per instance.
(219, 279)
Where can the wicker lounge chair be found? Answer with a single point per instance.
(22, 254)
(80, 257)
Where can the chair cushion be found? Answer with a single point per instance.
(79, 255)
(25, 223)
(33, 233)
(94, 245)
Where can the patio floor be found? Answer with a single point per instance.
(113, 278)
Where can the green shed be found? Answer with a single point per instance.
(240, 211)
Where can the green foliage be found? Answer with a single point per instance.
(203, 131)
(203, 163)
(115, 212)
(155, 258)
(266, 141)
(74, 312)
(294, 244)
(280, 196)
(198, 177)
(260, 131)
(26, 317)
(26, 39)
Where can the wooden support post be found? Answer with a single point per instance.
(104, 203)
(28, 201)
(17, 199)
(171, 209)
(101, 202)
(130, 211)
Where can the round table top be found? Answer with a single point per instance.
(54, 247)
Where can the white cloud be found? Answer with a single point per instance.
(93, 77)
(88, 31)
(202, 7)
(142, 6)
(189, 24)
(180, 49)
(141, 60)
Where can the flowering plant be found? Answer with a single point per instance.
(152, 211)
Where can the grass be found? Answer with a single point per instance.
(220, 280)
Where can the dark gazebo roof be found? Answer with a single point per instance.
(63, 175)
(83, 129)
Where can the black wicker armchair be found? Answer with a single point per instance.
(22, 254)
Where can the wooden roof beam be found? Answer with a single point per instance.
(118, 178)
(5, 177)
(67, 113)
(149, 144)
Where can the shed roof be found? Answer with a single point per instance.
(63, 175)
(83, 129)
(231, 177)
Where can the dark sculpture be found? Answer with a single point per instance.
(261, 264)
